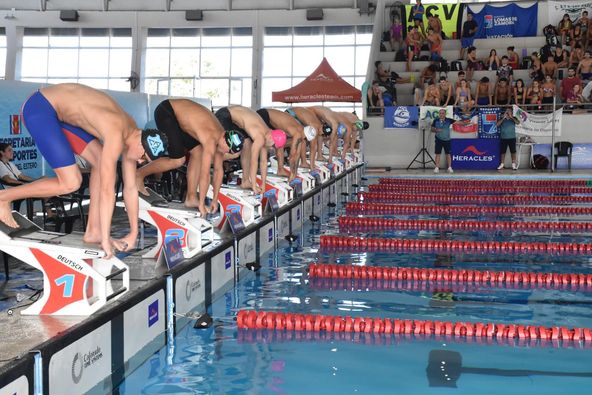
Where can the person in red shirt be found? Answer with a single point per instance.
(568, 83)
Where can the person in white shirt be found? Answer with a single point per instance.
(9, 173)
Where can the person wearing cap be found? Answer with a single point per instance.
(332, 130)
(191, 129)
(296, 134)
(356, 126)
(258, 140)
(308, 119)
(68, 119)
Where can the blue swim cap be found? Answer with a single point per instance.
(341, 130)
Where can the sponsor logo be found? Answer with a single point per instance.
(473, 149)
(15, 124)
(227, 260)
(488, 21)
(155, 144)
(270, 235)
(191, 287)
(83, 361)
(175, 220)
(321, 77)
(248, 247)
(401, 117)
(153, 313)
(69, 262)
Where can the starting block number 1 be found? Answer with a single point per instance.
(68, 281)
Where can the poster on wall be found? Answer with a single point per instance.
(401, 117)
(537, 125)
(573, 8)
(427, 114)
(507, 21)
(488, 118)
(449, 15)
(475, 154)
(581, 156)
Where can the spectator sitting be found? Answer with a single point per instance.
(468, 34)
(550, 68)
(375, 102)
(502, 94)
(445, 91)
(493, 61)
(9, 173)
(574, 97)
(576, 56)
(585, 67)
(519, 93)
(435, 23)
(561, 57)
(459, 77)
(435, 41)
(568, 83)
(483, 94)
(396, 34)
(564, 28)
(505, 71)
(432, 95)
(513, 58)
(427, 75)
(472, 62)
(507, 125)
(383, 76)
(576, 35)
(549, 88)
(413, 45)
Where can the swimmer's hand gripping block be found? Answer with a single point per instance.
(77, 280)
(174, 221)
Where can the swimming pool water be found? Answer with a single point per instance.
(225, 360)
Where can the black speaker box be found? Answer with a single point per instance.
(69, 15)
(314, 14)
(193, 15)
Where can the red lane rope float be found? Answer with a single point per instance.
(464, 183)
(478, 190)
(362, 224)
(354, 208)
(508, 279)
(250, 319)
(427, 245)
(382, 197)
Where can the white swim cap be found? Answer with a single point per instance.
(310, 133)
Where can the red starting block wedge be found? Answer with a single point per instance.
(77, 280)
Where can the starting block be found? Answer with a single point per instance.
(283, 191)
(323, 172)
(302, 174)
(238, 200)
(76, 280)
(336, 167)
(174, 220)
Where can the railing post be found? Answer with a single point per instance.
(553, 136)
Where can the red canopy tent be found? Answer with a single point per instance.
(322, 85)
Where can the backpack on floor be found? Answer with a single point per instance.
(442, 66)
(540, 162)
(455, 65)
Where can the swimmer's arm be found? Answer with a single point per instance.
(207, 156)
(256, 152)
(112, 148)
(159, 165)
(130, 198)
(333, 140)
(313, 152)
(295, 153)
(346, 140)
(263, 167)
(218, 176)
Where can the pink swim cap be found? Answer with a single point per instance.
(279, 138)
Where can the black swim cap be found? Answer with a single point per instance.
(327, 130)
(155, 143)
(235, 141)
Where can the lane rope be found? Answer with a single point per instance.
(354, 208)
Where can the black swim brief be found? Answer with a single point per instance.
(179, 142)
(264, 114)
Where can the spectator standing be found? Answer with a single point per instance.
(549, 91)
(561, 57)
(505, 71)
(435, 41)
(502, 94)
(445, 91)
(577, 54)
(584, 22)
(585, 67)
(564, 27)
(413, 45)
(435, 23)
(576, 35)
(519, 93)
(507, 124)
(472, 62)
(396, 34)
(468, 34)
(441, 126)
(568, 83)
(483, 94)
(417, 11)
(550, 68)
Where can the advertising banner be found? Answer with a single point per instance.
(449, 14)
(507, 21)
(573, 8)
(401, 117)
(427, 114)
(537, 125)
(466, 125)
(475, 154)
(488, 118)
